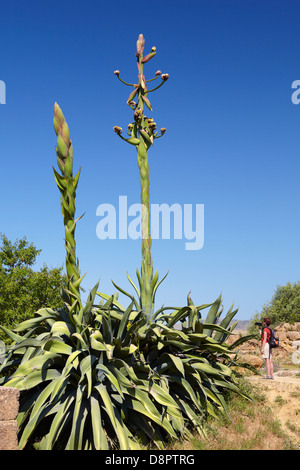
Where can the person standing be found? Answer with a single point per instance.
(266, 351)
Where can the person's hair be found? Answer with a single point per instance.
(267, 321)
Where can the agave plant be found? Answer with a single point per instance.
(129, 384)
(105, 376)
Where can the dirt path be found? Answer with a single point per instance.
(283, 395)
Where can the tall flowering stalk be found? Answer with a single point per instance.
(67, 184)
(141, 133)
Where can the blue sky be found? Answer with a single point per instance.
(232, 140)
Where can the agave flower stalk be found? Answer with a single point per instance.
(141, 133)
(67, 184)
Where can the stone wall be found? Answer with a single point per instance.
(9, 408)
(289, 340)
(288, 351)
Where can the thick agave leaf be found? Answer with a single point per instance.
(62, 328)
(86, 369)
(178, 363)
(216, 398)
(25, 344)
(177, 316)
(217, 328)
(57, 346)
(33, 423)
(174, 333)
(225, 324)
(161, 396)
(208, 369)
(241, 340)
(97, 345)
(11, 334)
(61, 419)
(161, 421)
(212, 315)
(124, 320)
(155, 285)
(111, 301)
(114, 417)
(99, 436)
(192, 415)
(144, 430)
(33, 379)
(36, 363)
(89, 304)
(187, 390)
(216, 348)
(133, 285)
(44, 314)
(111, 377)
(137, 306)
(78, 422)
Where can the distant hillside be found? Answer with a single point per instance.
(242, 325)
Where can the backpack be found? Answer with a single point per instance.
(274, 339)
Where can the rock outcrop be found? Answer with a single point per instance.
(287, 352)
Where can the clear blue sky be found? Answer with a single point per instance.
(232, 141)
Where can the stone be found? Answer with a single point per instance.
(293, 335)
(9, 403)
(285, 327)
(254, 361)
(8, 435)
(297, 326)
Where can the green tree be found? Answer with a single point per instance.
(284, 306)
(23, 290)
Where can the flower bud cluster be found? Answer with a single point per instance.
(62, 131)
(142, 127)
(118, 130)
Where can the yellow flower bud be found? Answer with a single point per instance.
(118, 130)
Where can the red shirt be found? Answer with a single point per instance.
(268, 331)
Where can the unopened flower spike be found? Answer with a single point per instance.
(67, 184)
